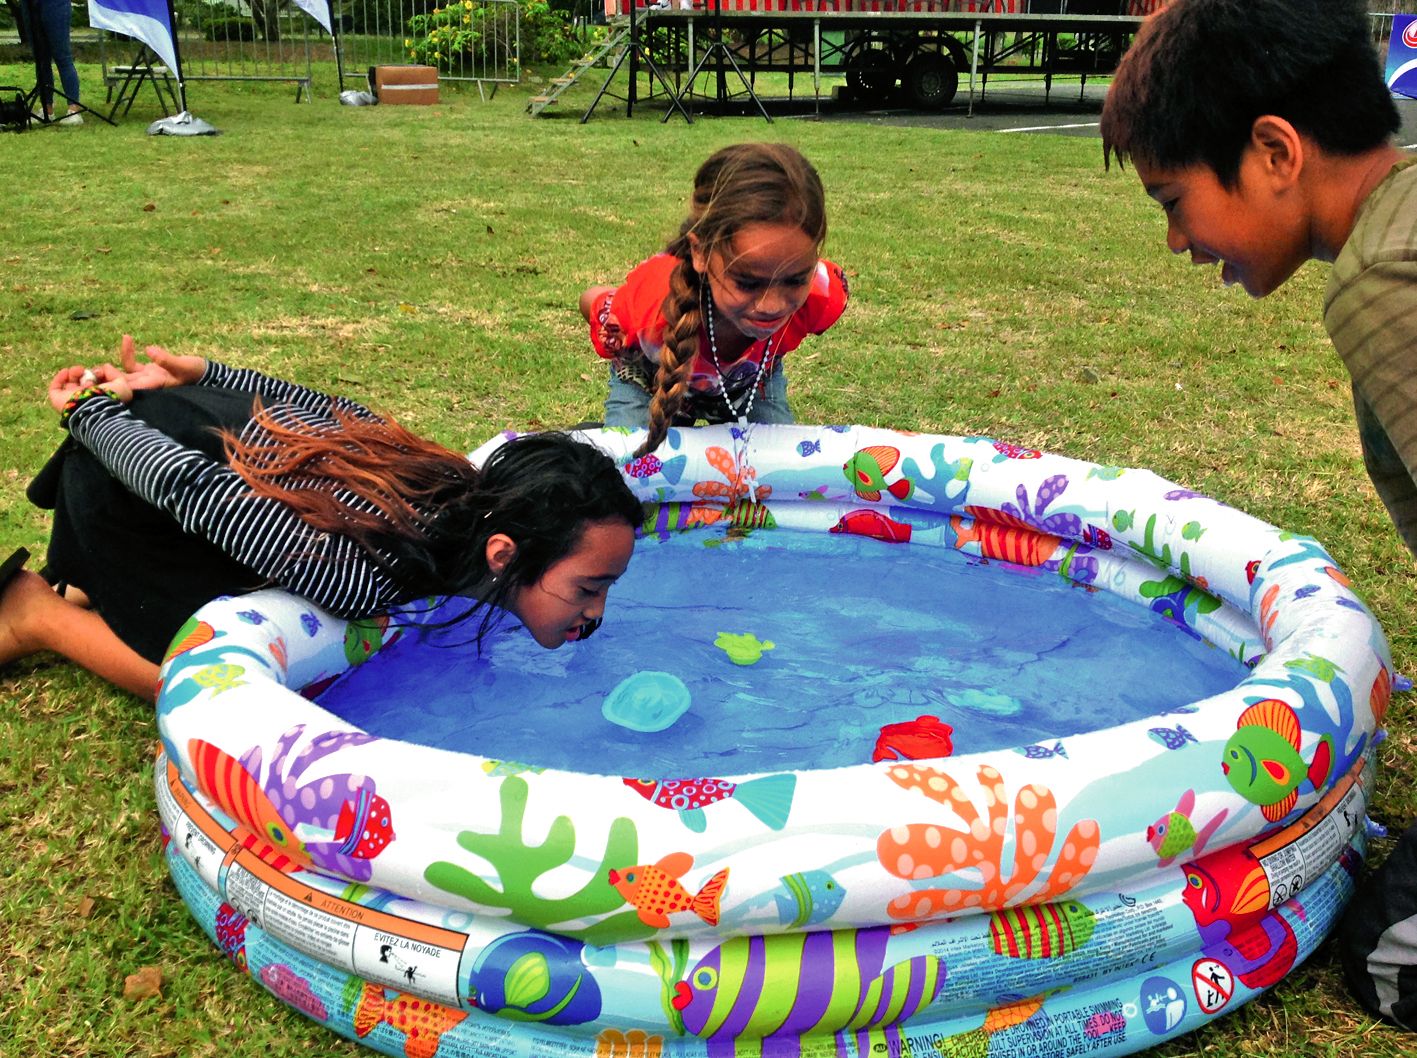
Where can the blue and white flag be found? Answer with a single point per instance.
(1402, 56)
(149, 21)
(319, 10)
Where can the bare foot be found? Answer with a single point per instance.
(27, 607)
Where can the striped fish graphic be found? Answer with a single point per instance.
(750, 990)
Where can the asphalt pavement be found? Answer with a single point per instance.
(1024, 108)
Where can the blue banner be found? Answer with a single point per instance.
(149, 21)
(1402, 56)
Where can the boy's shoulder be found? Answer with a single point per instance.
(1385, 228)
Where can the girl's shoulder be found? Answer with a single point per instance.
(652, 273)
(827, 299)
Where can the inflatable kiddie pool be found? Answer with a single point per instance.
(857, 826)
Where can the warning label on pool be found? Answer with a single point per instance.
(1298, 854)
(388, 949)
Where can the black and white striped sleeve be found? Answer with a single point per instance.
(278, 391)
(209, 499)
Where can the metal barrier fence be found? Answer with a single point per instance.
(468, 40)
(476, 41)
(233, 40)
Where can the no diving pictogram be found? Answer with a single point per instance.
(1214, 984)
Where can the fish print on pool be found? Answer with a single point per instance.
(535, 976)
(750, 993)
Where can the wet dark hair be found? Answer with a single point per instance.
(1200, 72)
(747, 183)
(424, 513)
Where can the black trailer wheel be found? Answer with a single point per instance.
(931, 80)
(871, 68)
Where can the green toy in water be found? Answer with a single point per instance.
(743, 648)
(646, 701)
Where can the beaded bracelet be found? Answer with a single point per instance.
(78, 397)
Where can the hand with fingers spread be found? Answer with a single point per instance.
(162, 370)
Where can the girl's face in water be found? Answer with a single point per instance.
(567, 603)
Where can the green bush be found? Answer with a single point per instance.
(466, 29)
(229, 29)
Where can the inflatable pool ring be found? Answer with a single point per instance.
(1001, 903)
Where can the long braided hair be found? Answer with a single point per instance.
(747, 183)
(423, 513)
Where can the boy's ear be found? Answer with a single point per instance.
(1279, 147)
(501, 549)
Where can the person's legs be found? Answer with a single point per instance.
(34, 618)
(39, 45)
(55, 15)
(1377, 937)
(144, 575)
(771, 404)
(625, 404)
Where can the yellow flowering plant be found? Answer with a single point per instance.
(466, 33)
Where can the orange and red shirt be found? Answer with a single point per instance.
(627, 327)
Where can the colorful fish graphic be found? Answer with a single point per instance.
(866, 470)
(1098, 538)
(231, 934)
(809, 898)
(918, 739)
(654, 890)
(1041, 931)
(873, 524)
(363, 638)
(1174, 834)
(1038, 751)
(357, 828)
(364, 827)
(768, 798)
(1171, 737)
(808, 448)
(1013, 451)
(190, 636)
(293, 989)
(745, 514)
(789, 985)
(644, 467)
(1004, 537)
(500, 768)
(661, 519)
(1229, 894)
(1229, 887)
(535, 976)
(421, 1021)
(647, 466)
(222, 778)
(1262, 760)
(268, 853)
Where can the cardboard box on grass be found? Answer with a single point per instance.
(404, 84)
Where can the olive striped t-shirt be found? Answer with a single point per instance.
(1370, 311)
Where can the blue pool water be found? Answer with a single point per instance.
(865, 634)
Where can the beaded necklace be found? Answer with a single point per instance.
(744, 432)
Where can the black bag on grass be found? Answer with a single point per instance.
(14, 110)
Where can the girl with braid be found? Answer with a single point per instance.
(182, 479)
(699, 331)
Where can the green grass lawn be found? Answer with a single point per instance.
(427, 261)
